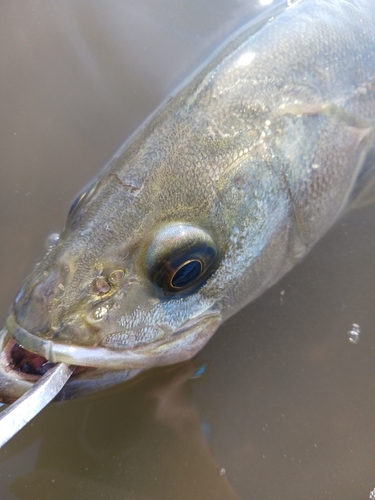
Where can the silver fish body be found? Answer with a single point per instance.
(214, 199)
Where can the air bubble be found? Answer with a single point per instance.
(52, 241)
(354, 334)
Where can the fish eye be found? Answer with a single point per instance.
(180, 258)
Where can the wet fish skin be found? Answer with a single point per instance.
(262, 151)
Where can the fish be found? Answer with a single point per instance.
(216, 197)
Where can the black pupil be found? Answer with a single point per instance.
(187, 274)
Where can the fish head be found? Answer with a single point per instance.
(129, 283)
(150, 257)
(119, 298)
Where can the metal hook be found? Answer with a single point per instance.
(18, 414)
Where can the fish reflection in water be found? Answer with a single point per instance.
(226, 188)
(161, 437)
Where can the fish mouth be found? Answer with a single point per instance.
(24, 358)
(20, 369)
(182, 345)
(28, 365)
(23, 367)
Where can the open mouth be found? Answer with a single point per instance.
(27, 362)
(20, 368)
(28, 365)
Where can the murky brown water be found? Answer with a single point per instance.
(285, 408)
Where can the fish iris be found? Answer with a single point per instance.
(187, 274)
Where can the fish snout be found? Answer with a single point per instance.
(50, 301)
(36, 304)
(62, 304)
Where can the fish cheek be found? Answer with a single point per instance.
(130, 338)
(323, 155)
(256, 210)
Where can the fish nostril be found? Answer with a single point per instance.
(101, 285)
(116, 276)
